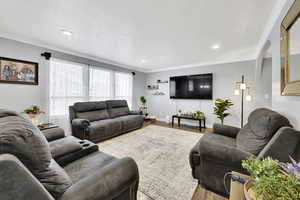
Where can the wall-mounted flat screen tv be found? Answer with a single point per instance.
(198, 86)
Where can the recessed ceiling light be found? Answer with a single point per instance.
(215, 47)
(143, 61)
(66, 32)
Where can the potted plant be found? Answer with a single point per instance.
(270, 180)
(143, 101)
(220, 108)
(33, 112)
(198, 114)
(179, 112)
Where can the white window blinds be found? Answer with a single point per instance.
(100, 84)
(123, 87)
(73, 82)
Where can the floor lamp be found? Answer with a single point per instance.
(241, 88)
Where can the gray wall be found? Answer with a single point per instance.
(18, 97)
(287, 105)
(224, 77)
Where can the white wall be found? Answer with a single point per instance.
(17, 97)
(287, 105)
(224, 77)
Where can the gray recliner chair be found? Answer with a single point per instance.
(267, 134)
(28, 170)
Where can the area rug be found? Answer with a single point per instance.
(162, 155)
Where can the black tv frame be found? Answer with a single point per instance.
(192, 97)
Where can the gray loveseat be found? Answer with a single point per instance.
(29, 169)
(101, 120)
(267, 133)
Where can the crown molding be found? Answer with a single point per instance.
(64, 50)
(201, 64)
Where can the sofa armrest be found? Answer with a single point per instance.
(53, 134)
(223, 153)
(135, 112)
(226, 130)
(108, 182)
(227, 155)
(80, 128)
(80, 123)
(17, 183)
(285, 143)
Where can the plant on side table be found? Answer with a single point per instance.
(271, 180)
(143, 100)
(220, 108)
(143, 106)
(33, 112)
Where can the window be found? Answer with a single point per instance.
(66, 86)
(100, 85)
(123, 87)
(73, 82)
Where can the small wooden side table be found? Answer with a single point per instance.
(237, 188)
(47, 126)
(201, 119)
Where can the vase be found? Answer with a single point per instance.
(34, 118)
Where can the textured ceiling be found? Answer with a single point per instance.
(149, 35)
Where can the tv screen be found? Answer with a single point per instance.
(191, 87)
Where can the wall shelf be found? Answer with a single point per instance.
(160, 81)
(153, 87)
(157, 93)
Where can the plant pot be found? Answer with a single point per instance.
(34, 118)
(249, 192)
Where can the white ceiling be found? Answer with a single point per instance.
(164, 33)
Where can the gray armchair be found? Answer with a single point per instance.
(267, 133)
(29, 170)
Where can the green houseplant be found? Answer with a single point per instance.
(270, 181)
(33, 112)
(220, 108)
(143, 100)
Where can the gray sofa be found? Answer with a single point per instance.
(101, 120)
(267, 134)
(30, 171)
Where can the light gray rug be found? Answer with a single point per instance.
(162, 155)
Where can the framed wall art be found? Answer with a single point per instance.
(18, 71)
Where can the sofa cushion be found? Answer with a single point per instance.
(19, 137)
(117, 108)
(54, 178)
(83, 167)
(105, 128)
(89, 106)
(221, 149)
(265, 123)
(93, 115)
(247, 141)
(64, 146)
(131, 122)
(262, 125)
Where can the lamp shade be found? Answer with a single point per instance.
(248, 98)
(243, 86)
(236, 92)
